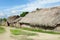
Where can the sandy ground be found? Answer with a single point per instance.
(6, 35)
(43, 36)
(40, 36)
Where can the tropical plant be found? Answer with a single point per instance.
(23, 14)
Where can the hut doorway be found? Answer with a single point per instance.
(8, 23)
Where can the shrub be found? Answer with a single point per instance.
(23, 14)
(4, 19)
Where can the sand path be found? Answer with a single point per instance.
(40, 36)
(6, 35)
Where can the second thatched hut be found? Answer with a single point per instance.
(13, 21)
(48, 18)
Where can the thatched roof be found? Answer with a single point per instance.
(46, 16)
(11, 19)
(18, 19)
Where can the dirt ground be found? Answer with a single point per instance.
(41, 36)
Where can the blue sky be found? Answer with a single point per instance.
(11, 3)
(15, 7)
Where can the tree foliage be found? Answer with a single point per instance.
(37, 9)
(0, 19)
(4, 19)
(23, 14)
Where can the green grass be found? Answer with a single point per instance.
(20, 32)
(2, 30)
(40, 30)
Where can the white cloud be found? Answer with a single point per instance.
(47, 1)
(29, 6)
(13, 11)
(1, 14)
(33, 5)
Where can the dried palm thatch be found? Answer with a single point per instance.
(11, 19)
(17, 20)
(48, 17)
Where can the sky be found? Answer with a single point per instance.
(16, 7)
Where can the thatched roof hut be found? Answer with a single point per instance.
(18, 19)
(43, 17)
(14, 21)
(11, 19)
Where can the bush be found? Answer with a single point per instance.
(23, 14)
(4, 19)
(37, 9)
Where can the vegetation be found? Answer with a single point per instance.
(2, 30)
(37, 9)
(4, 19)
(23, 14)
(0, 19)
(20, 32)
(40, 30)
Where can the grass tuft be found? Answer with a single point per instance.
(2, 30)
(40, 30)
(20, 32)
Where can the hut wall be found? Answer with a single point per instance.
(4, 23)
(57, 28)
(25, 25)
(17, 25)
(36, 26)
(12, 24)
